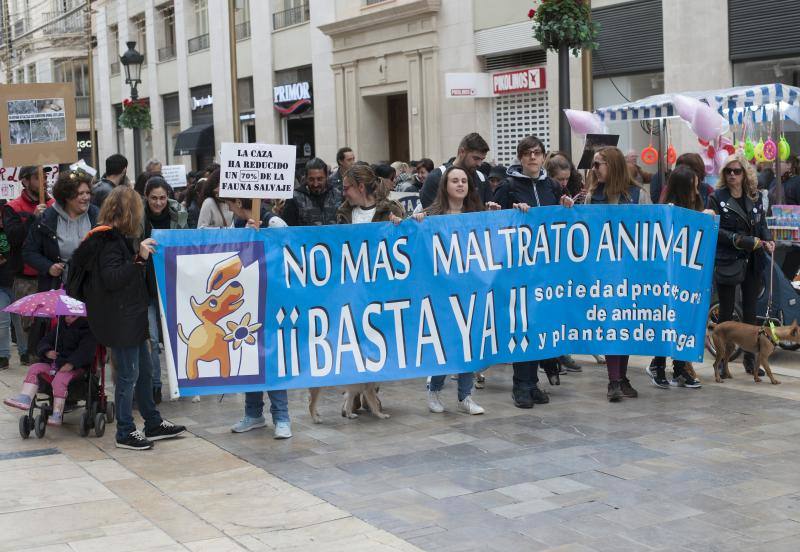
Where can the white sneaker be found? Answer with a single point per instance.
(434, 402)
(468, 406)
(283, 430)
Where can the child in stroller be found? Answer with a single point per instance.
(60, 363)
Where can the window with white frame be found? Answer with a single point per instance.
(201, 17)
(138, 26)
(165, 35)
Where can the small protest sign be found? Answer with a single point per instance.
(175, 175)
(257, 171)
(37, 123)
(11, 186)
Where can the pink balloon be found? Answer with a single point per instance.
(584, 122)
(707, 123)
(719, 159)
(686, 107)
(709, 165)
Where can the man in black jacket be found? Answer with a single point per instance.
(116, 167)
(527, 185)
(315, 201)
(345, 158)
(471, 153)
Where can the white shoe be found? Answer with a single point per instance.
(470, 407)
(434, 402)
(283, 430)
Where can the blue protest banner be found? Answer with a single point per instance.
(320, 306)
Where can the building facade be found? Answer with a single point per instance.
(48, 41)
(403, 79)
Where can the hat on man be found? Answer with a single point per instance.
(28, 171)
(498, 171)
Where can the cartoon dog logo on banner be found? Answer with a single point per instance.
(210, 341)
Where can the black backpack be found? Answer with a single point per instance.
(77, 279)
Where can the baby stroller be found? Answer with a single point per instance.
(88, 389)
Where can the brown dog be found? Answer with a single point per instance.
(354, 397)
(761, 341)
(207, 341)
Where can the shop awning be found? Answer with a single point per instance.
(193, 139)
(753, 103)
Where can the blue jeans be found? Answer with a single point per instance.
(6, 298)
(278, 405)
(153, 320)
(134, 375)
(464, 384)
(22, 336)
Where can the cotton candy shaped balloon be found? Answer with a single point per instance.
(584, 122)
(719, 159)
(707, 123)
(686, 107)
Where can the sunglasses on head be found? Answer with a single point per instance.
(737, 172)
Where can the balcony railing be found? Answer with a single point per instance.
(166, 53)
(82, 107)
(114, 68)
(198, 43)
(71, 24)
(243, 30)
(292, 16)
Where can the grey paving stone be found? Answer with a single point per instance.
(700, 471)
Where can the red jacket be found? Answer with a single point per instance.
(25, 208)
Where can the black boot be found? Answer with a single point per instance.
(614, 391)
(522, 396)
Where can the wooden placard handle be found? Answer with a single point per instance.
(256, 213)
(42, 186)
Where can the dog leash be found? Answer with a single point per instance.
(767, 320)
(771, 278)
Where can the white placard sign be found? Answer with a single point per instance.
(175, 175)
(257, 171)
(11, 186)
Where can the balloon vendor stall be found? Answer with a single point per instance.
(754, 116)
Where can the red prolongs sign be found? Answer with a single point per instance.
(523, 80)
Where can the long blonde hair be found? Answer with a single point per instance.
(749, 178)
(618, 182)
(123, 209)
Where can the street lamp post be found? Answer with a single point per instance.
(132, 61)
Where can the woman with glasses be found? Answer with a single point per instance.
(610, 183)
(528, 185)
(742, 233)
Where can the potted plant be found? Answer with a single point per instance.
(564, 23)
(563, 26)
(135, 114)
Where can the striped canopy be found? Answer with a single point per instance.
(755, 103)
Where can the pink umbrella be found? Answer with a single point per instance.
(47, 304)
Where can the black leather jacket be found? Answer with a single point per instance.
(737, 227)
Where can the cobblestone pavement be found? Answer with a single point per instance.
(712, 469)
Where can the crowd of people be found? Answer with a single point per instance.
(102, 231)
